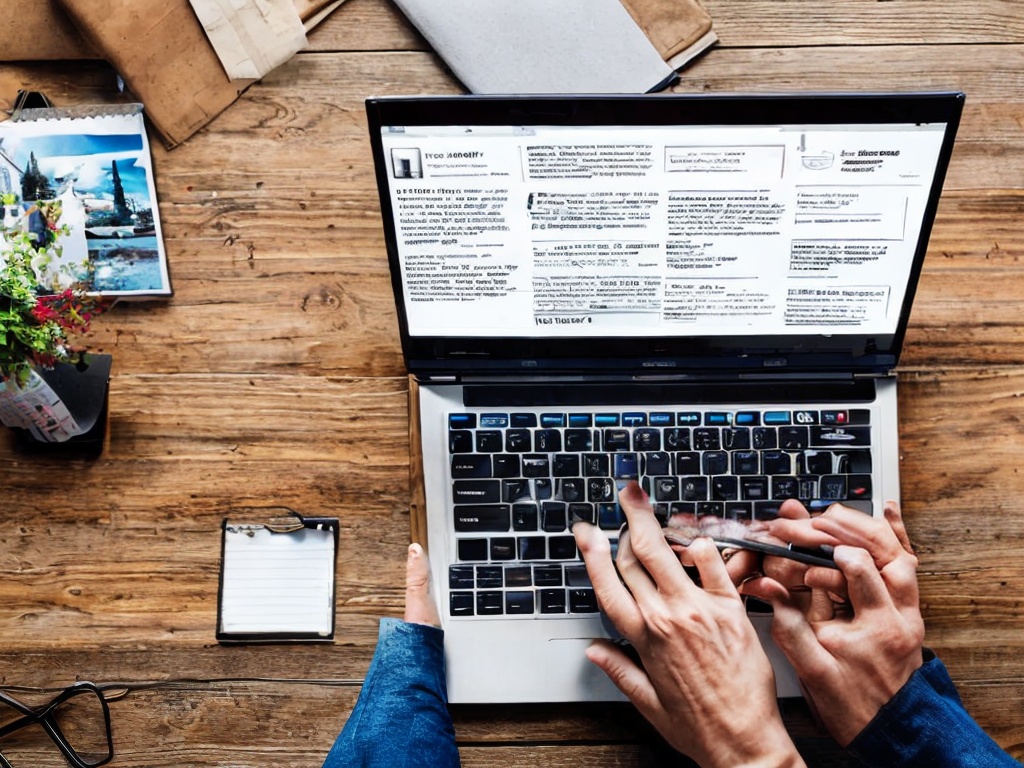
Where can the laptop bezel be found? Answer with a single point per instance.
(433, 356)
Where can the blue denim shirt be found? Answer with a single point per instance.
(925, 725)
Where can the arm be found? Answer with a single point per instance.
(925, 724)
(705, 684)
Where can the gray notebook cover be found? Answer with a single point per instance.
(540, 46)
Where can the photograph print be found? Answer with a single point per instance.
(99, 169)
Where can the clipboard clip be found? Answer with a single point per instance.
(290, 523)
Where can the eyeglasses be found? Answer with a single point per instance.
(77, 720)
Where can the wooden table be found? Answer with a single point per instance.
(274, 375)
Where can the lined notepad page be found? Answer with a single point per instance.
(277, 583)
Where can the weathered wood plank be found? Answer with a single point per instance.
(378, 25)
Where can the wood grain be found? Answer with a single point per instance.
(275, 375)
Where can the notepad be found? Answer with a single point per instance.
(277, 580)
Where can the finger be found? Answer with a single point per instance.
(826, 579)
(786, 571)
(764, 588)
(635, 577)
(742, 564)
(792, 509)
(853, 527)
(627, 676)
(796, 639)
(647, 541)
(611, 595)
(714, 576)
(865, 586)
(801, 532)
(895, 520)
(821, 608)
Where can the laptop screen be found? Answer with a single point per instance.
(617, 229)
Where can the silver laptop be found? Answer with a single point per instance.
(705, 294)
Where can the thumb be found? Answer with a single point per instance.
(628, 678)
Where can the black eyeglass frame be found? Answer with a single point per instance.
(43, 715)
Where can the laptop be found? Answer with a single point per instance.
(705, 294)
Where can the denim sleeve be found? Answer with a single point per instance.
(925, 725)
(401, 719)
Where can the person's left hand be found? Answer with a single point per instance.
(706, 683)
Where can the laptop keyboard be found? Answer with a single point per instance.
(520, 479)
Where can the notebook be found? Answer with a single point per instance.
(277, 577)
(707, 294)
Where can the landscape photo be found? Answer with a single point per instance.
(99, 168)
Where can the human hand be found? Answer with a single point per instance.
(706, 684)
(854, 635)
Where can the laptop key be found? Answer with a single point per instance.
(579, 440)
(476, 492)
(470, 550)
(506, 465)
(489, 603)
(656, 463)
(565, 465)
(793, 438)
(693, 488)
(576, 576)
(763, 438)
(600, 489)
(518, 440)
(715, 463)
(627, 467)
(858, 487)
(610, 516)
(519, 576)
(547, 576)
(596, 465)
(474, 518)
(677, 439)
(582, 512)
(582, 601)
(840, 436)
(536, 465)
(553, 517)
(707, 439)
(547, 440)
(471, 465)
(460, 604)
(489, 441)
(503, 548)
(552, 601)
(647, 439)
(489, 577)
(524, 517)
(518, 603)
(533, 548)
(562, 548)
(515, 490)
(460, 441)
(615, 440)
(461, 577)
(571, 489)
(666, 488)
(724, 488)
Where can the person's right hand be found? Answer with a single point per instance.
(853, 652)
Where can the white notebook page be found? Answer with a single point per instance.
(277, 583)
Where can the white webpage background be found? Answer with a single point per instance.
(657, 231)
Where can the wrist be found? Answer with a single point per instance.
(767, 750)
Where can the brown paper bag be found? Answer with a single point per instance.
(679, 29)
(38, 30)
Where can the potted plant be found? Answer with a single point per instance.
(51, 391)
